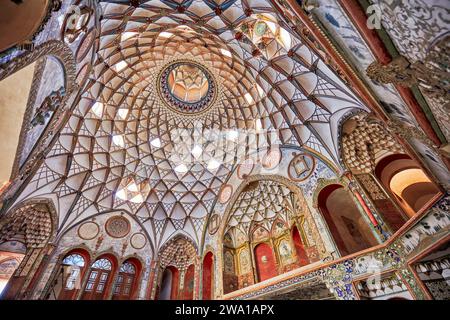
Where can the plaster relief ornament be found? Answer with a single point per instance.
(76, 22)
(272, 158)
(138, 240)
(301, 167)
(214, 224)
(117, 227)
(88, 230)
(227, 72)
(225, 193)
(245, 168)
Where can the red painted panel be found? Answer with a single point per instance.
(265, 262)
(175, 280)
(301, 253)
(189, 283)
(207, 276)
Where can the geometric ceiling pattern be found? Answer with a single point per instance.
(123, 147)
(260, 204)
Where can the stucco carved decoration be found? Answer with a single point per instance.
(362, 139)
(431, 74)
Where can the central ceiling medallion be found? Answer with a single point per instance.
(187, 87)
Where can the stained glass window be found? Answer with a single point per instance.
(102, 264)
(128, 268)
(74, 260)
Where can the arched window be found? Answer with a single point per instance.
(9, 262)
(407, 183)
(350, 231)
(72, 268)
(125, 285)
(98, 280)
(207, 276)
(265, 262)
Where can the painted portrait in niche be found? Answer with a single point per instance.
(260, 233)
(244, 261)
(353, 230)
(301, 167)
(228, 262)
(240, 238)
(285, 250)
(227, 240)
(278, 228)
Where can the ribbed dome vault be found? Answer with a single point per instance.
(124, 147)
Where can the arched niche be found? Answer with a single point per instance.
(347, 226)
(378, 161)
(188, 287)
(208, 276)
(270, 210)
(169, 284)
(179, 256)
(32, 223)
(407, 182)
(299, 247)
(266, 265)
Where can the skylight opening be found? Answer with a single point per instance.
(133, 187)
(128, 35)
(166, 34)
(197, 151)
(249, 98)
(120, 66)
(258, 125)
(226, 53)
(121, 194)
(181, 168)
(119, 141)
(122, 113)
(232, 135)
(156, 143)
(213, 164)
(97, 109)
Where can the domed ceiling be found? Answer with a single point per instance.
(181, 92)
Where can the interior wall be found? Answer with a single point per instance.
(13, 104)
